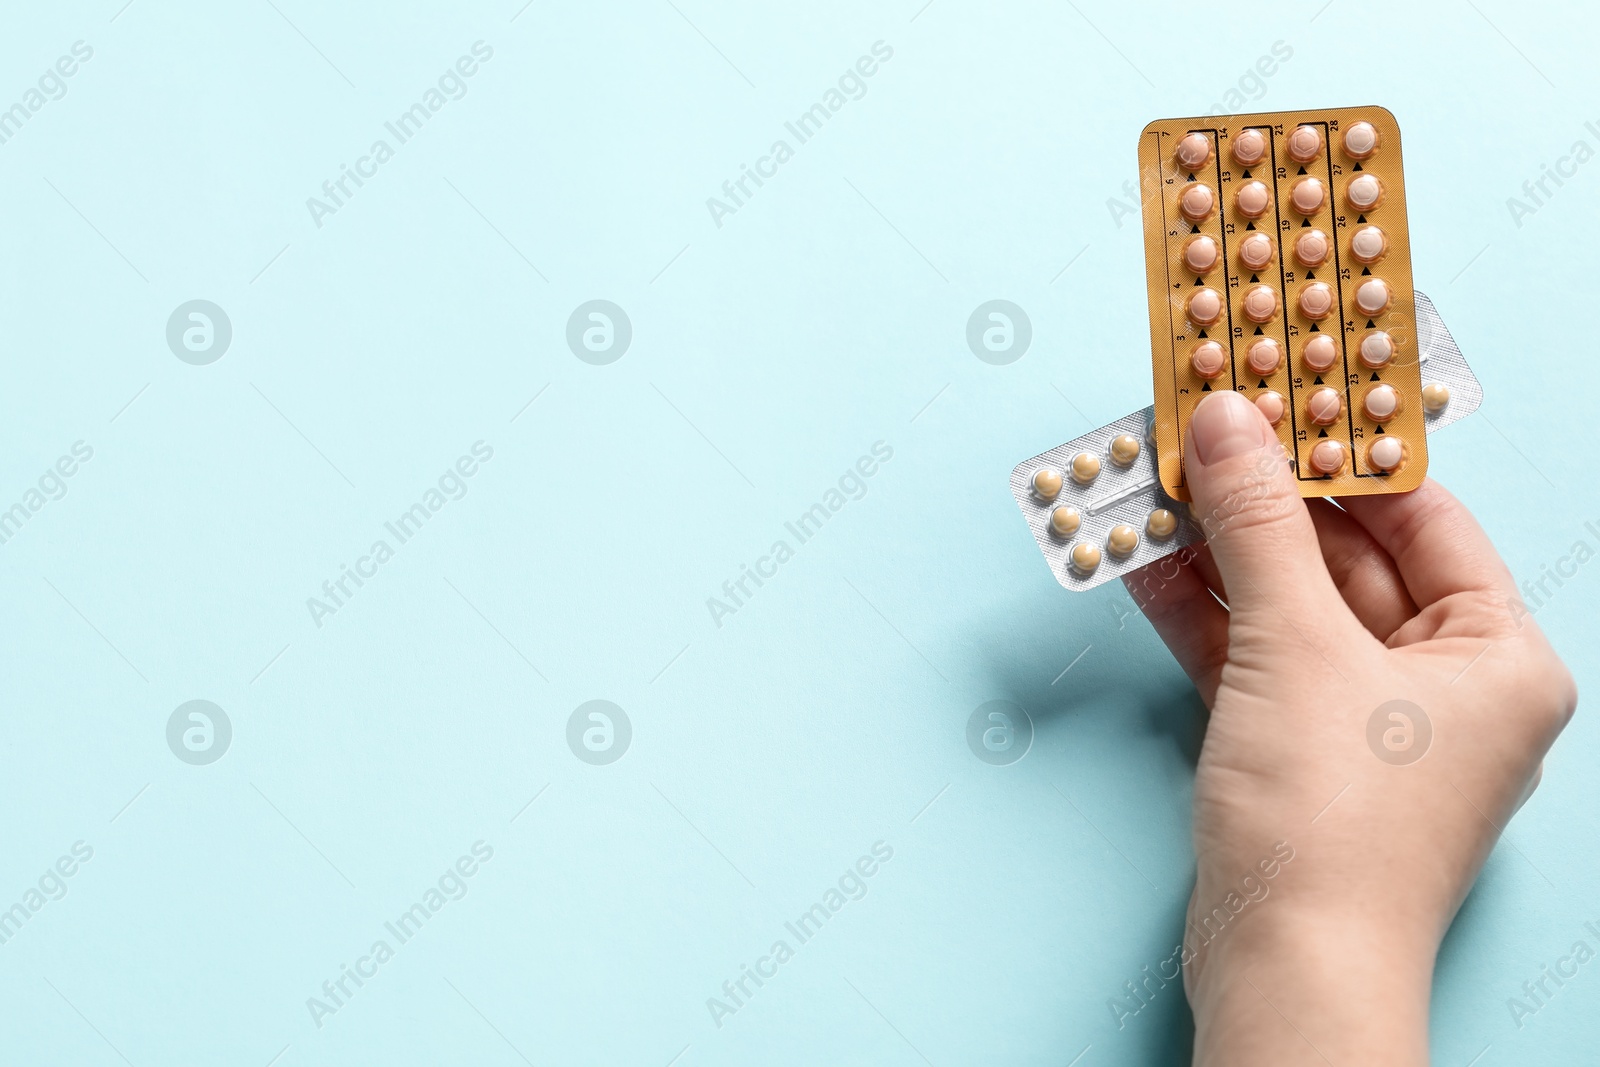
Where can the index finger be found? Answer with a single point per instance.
(1434, 540)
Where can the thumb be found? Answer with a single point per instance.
(1247, 502)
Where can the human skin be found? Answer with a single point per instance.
(1332, 611)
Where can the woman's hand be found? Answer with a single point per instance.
(1380, 703)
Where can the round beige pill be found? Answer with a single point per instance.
(1381, 403)
(1328, 457)
(1254, 199)
(1046, 483)
(1085, 467)
(1085, 558)
(1201, 253)
(1197, 201)
(1122, 540)
(1360, 140)
(1064, 521)
(1261, 303)
(1205, 307)
(1308, 195)
(1324, 406)
(1124, 449)
(1265, 356)
(1255, 251)
(1369, 245)
(1435, 397)
(1312, 248)
(1387, 453)
(1305, 144)
(1249, 148)
(1193, 150)
(1320, 353)
(1377, 349)
(1272, 405)
(1373, 297)
(1365, 193)
(1316, 301)
(1208, 359)
(1161, 524)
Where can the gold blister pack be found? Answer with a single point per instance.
(1279, 265)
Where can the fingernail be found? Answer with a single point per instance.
(1225, 425)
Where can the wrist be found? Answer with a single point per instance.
(1293, 987)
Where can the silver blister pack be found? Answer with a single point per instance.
(1443, 364)
(1126, 495)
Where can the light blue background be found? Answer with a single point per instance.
(768, 354)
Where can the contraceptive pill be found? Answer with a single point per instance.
(1064, 521)
(1124, 449)
(1382, 402)
(1304, 143)
(1201, 254)
(1272, 406)
(1256, 251)
(1376, 349)
(1161, 524)
(1387, 453)
(1320, 354)
(1368, 245)
(1122, 540)
(1327, 458)
(1046, 484)
(1249, 148)
(1312, 248)
(1364, 192)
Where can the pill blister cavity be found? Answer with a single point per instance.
(1360, 140)
(1312, 248)
(1124, 449)
(1365, 193)
(1381, 402)
(1122, 540)
(1377, 349)
(1197, 201)
(1435, 397)
(1206, 306)
(1265, 356)
(1387, 453)
(1085, 467)
(1194, 151)
(1305, 144)
(1373, 297)
(1161, 524)
(1085, 558)
(1201, 254)
(1046, 483)
(1308, 195)
(1255, 251)
(1208, 359)
(1272, 405)
(1316, 301)
(1320, 353)
(1254, 199)
(1324, 406)
(1261, 303)
(1328, 457)
(1369, 245)
(1249, 148)
(1064, 521)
